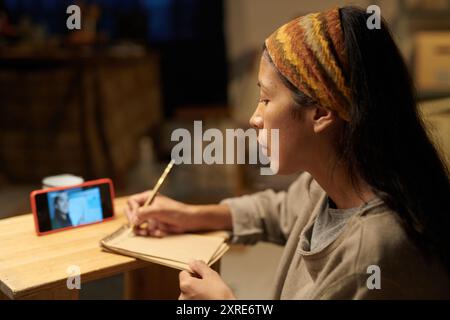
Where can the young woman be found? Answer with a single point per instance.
(373, 195)
(61, 218)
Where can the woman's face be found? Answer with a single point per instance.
(62, 203)
(277, 109)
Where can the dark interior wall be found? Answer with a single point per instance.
(194, 67)
(188, 34)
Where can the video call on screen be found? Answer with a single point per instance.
(74, 207)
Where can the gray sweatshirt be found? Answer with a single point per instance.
(370, 258)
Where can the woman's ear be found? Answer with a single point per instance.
(323, 119)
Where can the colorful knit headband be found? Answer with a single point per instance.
(309, 51)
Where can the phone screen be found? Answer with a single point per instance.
(73, 207)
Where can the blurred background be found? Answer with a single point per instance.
(102, 101)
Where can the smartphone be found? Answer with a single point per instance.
(62, 208)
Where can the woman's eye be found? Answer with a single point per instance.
(265, 101)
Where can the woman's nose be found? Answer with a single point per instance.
(257, 121)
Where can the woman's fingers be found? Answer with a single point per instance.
(131, 210)
(128, 212)
(152, 224)
(164, 216)
(159, 231)
(152, 211)
(138, 215)
(140, 198)
(164, 229)
(199, 267)
(143, 232)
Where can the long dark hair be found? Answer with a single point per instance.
(386, 144)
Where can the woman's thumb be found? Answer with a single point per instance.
(199, 267)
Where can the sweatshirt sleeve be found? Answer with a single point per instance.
(355, 287)
(266, 215)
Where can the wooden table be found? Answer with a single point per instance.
(33, 267)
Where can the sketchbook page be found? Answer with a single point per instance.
(219, 253)
(222, 250)
(183, 266)
(180, 248)
(169, 263)
(164, 262)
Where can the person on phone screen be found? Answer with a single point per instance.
(61, 218)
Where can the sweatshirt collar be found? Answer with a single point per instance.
(315, 260)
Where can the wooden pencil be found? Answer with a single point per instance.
(154, 191)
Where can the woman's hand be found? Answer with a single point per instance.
(167, 216)
(203, 284)
(164, 216)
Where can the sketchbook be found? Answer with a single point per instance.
(175, 251)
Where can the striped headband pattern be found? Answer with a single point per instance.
(310, 52)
